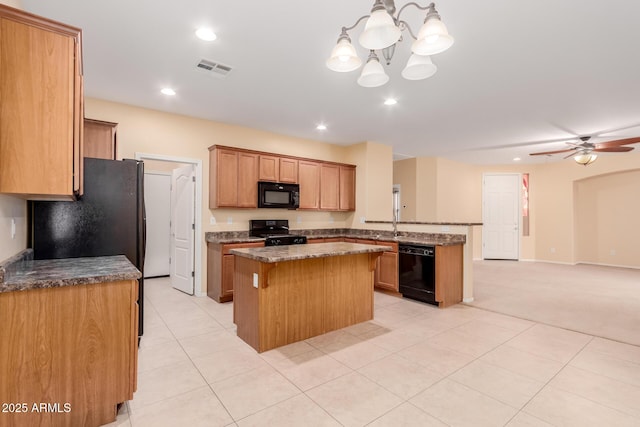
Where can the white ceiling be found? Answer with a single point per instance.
(519, 73)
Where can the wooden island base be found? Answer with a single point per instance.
(294, 300)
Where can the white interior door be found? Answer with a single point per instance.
(182, 228)
(157, 201)
(501, 216)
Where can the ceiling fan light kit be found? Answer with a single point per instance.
(584, 153)
(382, 31)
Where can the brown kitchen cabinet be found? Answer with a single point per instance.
(309, 180)
(41, 109)
(329, 187)
(220, 267)
(73, 344)
(386, 276)
(347, 188)
(233, 178)
(276, 168)
(449, 272)
(100, 139)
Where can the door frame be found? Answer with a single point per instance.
(519, 175)
(198, 243)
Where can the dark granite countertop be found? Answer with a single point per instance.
(432, 239)
(21, 272)
(296, 252)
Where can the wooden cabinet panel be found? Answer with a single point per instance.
(333, 239)
(386, 276)
(347, 188)
(309, 180)
(100, 139)
(247, 180)
(220, 266)
(269, 168)
(448, 275)
(312, 241)
(329, 187)
(40, 107)
(223, 189)
(70, 344)
(288, 170)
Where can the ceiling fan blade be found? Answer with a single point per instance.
(543, 153)
(571, 154)
(618, 142)
(613, 149)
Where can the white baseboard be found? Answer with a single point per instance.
(467, 300)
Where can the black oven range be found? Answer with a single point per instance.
(275, 232)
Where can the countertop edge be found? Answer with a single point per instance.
(269, 255)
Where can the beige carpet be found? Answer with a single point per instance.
(597, 300)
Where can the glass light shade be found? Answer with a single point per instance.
(419, 67)
(433, 38)
(344, 58)
(585, 158)
(380, 31)
(373, 74)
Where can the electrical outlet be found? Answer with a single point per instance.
(612, 252)
(212, 220)
(362, 220)
(553, 250)
(299, 219)
(229, 220)
(13, 228)
(445, 228)
(255, 280)
(331, 218)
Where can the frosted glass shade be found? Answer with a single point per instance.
(380, 31)
(419, 67)
(373, 74)
(343, 57)
(585, 158)
(433, 38)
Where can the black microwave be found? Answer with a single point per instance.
(276, 195)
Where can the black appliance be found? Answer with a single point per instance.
(417, 272)
(275, 232)
(276, 195)
(109, 219)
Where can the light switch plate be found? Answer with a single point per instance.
(255, 280)
(212, 220)
(13, 228)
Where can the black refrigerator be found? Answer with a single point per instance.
(109, 218)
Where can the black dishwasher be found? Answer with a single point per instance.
(417, 272)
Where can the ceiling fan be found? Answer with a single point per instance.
(584, 152)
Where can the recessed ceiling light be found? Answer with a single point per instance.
(168, 91)
(321, 127)
(516, 159)
(390, 101)
(206, 34)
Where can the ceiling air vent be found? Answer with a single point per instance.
(214, 68)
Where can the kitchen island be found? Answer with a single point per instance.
(285, 294)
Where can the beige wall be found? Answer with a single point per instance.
(12, 208)
(561, 206)
(153, 132)
(404, 174)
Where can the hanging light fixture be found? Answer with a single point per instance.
(585, 158)
(382, 31)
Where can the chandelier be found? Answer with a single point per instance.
(382, 31)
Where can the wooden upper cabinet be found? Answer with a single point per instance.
(329, 187)
(40, 107)
(233, 179)
(275, 168)
(288, 170)
(247, 180)
(347, 188)
(100, 139)
(269, 168)
(309, 180)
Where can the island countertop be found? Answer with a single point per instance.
(24, 274)
(272, 254)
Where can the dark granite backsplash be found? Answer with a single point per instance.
(403, 236)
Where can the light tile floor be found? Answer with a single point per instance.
(413, 365)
